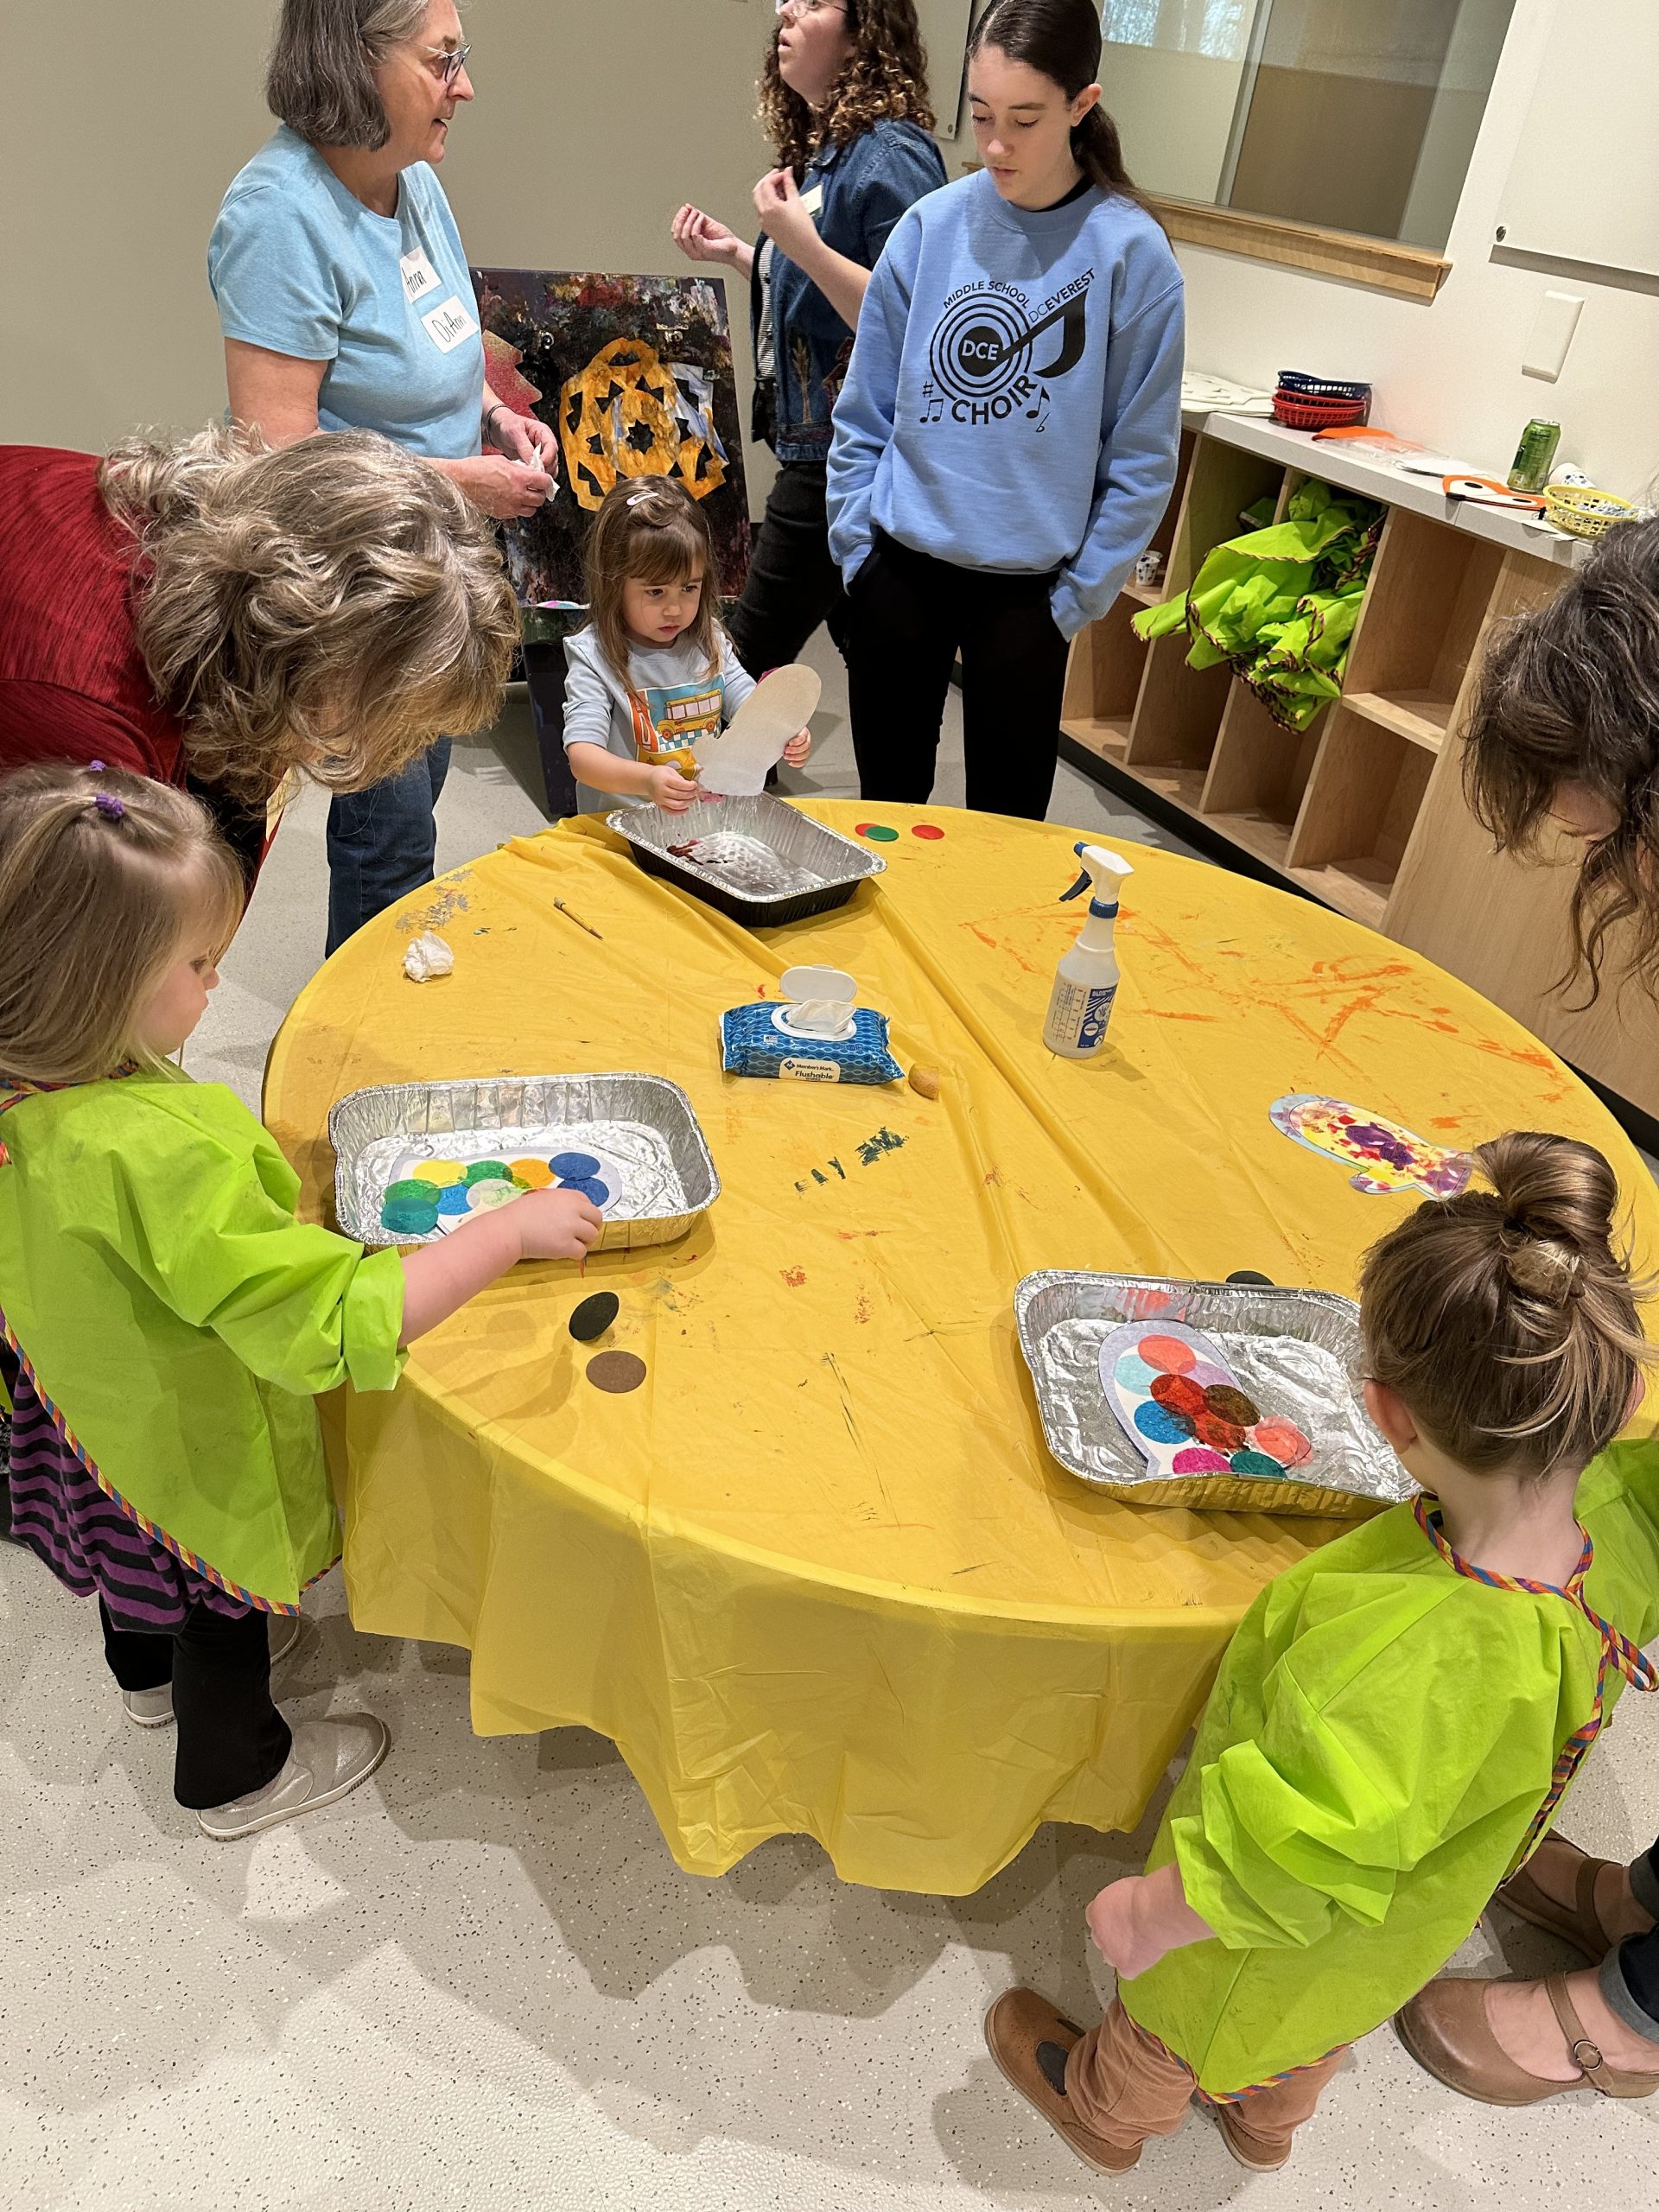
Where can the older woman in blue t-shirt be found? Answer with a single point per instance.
(345, 304)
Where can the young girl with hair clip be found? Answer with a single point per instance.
(170, 1319)
(1397, 1717)
(653, 675)
(844, 101)
(1006, 440)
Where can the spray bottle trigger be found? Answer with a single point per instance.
(1078, 888)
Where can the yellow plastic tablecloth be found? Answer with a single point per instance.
(819, 1574)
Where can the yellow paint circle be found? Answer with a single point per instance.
(443, 1173)
(534, 1174)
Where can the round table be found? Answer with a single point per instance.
(819, 1574)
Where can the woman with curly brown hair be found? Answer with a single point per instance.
(213, 614)
(1565, 733)
(844, 97)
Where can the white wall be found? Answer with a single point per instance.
(1449, 373)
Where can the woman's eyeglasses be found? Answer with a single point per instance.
(445, 68)
(799, 7)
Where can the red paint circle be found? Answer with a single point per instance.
(1168, 1353)
(1178, 1393)
(926, 829)
(1220, 1435)
(1283, 1441)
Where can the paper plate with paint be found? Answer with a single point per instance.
(1179, 1401)
(1387, 1159)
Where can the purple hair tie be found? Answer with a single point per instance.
(96, 767)
(111, 809)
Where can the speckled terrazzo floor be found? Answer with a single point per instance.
(482, 1982)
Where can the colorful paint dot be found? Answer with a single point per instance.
(1198, 1459)
(574, 1166)
(1169, 1354)
(454, 1199)
(590, 1187)
(442, 1173)
(1284, 1440)
(1223, 1436)
(534, 1174)
(1131, 1374)
(928, 831)
(483, 1197)
(1208, 1375)
(1228, 1404)
(1180, 1394)
(411, 1194)
(489, 1170)
(1254, 1463)
(878, 833)
(1162, 1426)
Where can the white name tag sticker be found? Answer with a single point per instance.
(813, 201)
(420, 278)
(450, 324)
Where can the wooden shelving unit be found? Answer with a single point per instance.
(1364, 810)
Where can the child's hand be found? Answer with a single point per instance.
(796, 751)
(1113, 1922)
(667, 788)
(556, 1225)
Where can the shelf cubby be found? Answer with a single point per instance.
(1429, 591)
(1258, 774)
(1102, 683)
(1357, 814)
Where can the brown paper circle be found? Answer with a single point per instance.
(616, 1371)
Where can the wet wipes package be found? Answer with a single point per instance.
(817, 1036)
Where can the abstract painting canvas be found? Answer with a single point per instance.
(634, 373)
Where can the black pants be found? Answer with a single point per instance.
(1629, 1978)
(231, 1737)
(793, 585)
(908, 615)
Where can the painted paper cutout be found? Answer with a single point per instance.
(1388, 1158)
(1180, 1405)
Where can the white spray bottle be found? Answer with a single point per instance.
(1086, 982)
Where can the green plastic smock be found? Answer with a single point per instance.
(181, 1321)
(1381, 1737)
(1280, 604)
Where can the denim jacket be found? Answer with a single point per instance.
(868, 184)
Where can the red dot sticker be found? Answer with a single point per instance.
(1168, 1353)
(929, 831)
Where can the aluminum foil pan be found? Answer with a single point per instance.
(758, 860)
(1296, 1350)
(640, 1127)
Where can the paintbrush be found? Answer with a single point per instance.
(571, 914)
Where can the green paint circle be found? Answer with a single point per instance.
(878, 833)
(489, 1170)
(1254, 1463)
(411, 1194)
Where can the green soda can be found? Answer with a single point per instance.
(1534, 457)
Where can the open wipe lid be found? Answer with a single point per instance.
(780, 705)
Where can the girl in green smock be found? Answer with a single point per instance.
(1397, 1718)
(167, 1321)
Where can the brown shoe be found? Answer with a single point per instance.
(1262, 2154)
(1031, 2042)
(1575, 1924)
(1445, 2030)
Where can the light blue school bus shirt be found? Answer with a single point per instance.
(300, 266)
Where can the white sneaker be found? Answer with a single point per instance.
(329, 1758)
(149, 1708)
(282, 1633)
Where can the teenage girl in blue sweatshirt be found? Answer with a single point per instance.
(1006, 440)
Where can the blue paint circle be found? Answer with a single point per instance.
(1133, 1373)
(574, 1166)
(589, 1187)
(1155, 1421)
(453, 1200)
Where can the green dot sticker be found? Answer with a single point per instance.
(878, 833)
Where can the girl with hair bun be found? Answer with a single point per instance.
(1399, 1716)
(1006, 440)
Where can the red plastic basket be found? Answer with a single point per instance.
(1298, 413)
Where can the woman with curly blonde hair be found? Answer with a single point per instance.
(213, 614)
(843, 96)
